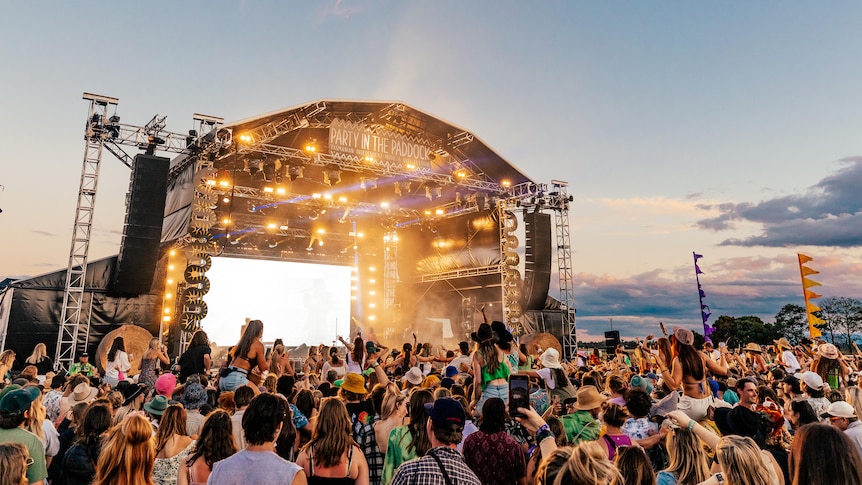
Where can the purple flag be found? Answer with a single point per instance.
(697, 269)
(697, 256)
(705, 316)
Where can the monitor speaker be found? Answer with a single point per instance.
(612, 339)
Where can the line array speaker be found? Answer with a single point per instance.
(537, 260)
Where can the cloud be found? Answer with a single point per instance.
(342, 9)
(828, 214)
(44, 233)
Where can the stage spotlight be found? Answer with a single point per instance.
(253, 167)
(311, 145)
(506, 183)
(268, 170)
(294, 172)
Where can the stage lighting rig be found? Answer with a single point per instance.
(331, 174)
(294, 172)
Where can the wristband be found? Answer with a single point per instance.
(690, 424)
(543, 427)
(544, 434)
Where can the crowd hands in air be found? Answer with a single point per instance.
(665, 413)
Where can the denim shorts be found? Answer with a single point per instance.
(232, 381)
(493, 390)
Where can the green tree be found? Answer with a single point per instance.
(738, 331)
(791, 322)
(842, 315)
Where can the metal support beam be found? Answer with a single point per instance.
(560, 204)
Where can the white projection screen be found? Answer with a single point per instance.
(297, 302)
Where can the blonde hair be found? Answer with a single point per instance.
(687, 457)
(7, 358)
(741, 461)
(128, 454)
(38, 414)
(391, 397)
(853, 394)
(13, 462)
(274, 358)
(587, 465)
(38, 355)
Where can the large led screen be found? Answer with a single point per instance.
(297, 302)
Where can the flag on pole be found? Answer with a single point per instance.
(704, 309)
(810, 308)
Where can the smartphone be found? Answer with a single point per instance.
(519, 394)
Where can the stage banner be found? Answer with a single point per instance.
(376, 145)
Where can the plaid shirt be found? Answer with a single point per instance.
(426, 471)
(363, 433)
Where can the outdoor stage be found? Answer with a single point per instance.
(317, 219)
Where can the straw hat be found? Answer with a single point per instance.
(83, 392)
(551, 359)
(828, 351)
(589, 398)
(752, 347)
(782, 342)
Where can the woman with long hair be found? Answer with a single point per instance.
(332, 456)
(615, 417)
(743, 463)
(248, 354)
(587, 465)
(14, 459)
(196, 359)
(7, 360)
(79, 461)
(634, 466)
(118, 362)
(393, 412)
(829, 364)
(156, 353)
(490, 369)
(172, 445)
(286, 444)
(335, 363)
(37, 424)
(687, 461)
(215, 444)
(356, 354)
(552, 374)
(407, 360)
(279, 361)
(128, 454)
(410, 441)
(313, 361)
(40, 359)
(687, 370)
(824, 454)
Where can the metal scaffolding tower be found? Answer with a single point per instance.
(97, 131)
(559, 199)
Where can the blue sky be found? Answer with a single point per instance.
(727, 128)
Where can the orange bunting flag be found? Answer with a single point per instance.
(808, 271)
(810, 295)
(811, 307)
(806, 283)
(803, 258)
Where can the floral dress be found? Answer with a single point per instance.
(165, 470)
(148, 372)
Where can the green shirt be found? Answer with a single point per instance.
(79, 368)
(581, 426)
(397, 452)
(37, 471)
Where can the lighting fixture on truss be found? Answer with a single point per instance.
(294, 172)
(331, 174)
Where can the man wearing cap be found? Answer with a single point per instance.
(786, 358)
(15, 409)
(583, 424)
(843, 416)
(83, 366)
(442, 465)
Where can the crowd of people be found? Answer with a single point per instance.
(361, 413)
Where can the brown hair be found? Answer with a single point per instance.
(173, 422)
(332, 435)
(13, 462)
(216, 441)
(128, 455)
(823, 454)
(634, 466)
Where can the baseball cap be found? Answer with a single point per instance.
(370, 347)
(446, 412)
(451, 371)
(18, 400)
(839, 409)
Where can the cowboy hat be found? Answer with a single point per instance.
(414, 376)
(589, 398)
(156, 405)
(828, 351)
(83, 392)
(782, 342)
(503, 334)
(752, 347)
(484, 334)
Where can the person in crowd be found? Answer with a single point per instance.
(754, 361)
(194, 398)
(197, 357)
(134, 396)
(747, 390)
(583, 424)
(490, 368)
(792, 388)
(634, 467)
(410, 441)
(242, 396)
(785, 356)
(405, 361)
(43, 429)
(78, 467)
(304, 401)
(279, 362)
(118, 363)
(829, 364)
(14, 460)
(40, 359)
(615, 417)
(258, 462)
(687, 460)
(287, 444)
(313, 362)
(491, 453)
(335, 363)
(356, 354)
(552, 374)
(248, 354)
(173, 445)
(332, 453)
(462, 362)
(587, 465)
(843, 416)
(823, 454)
(127, 455)
(67, 436)
(15, 413)
(616, 387)
(215, 444)
(155, 409)
(393, 414)
(156, 353)
(51, 399)
(83, 366)
(7, 361)
(742, 463)
(815, 389)
(799, 413)
(442, 464)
